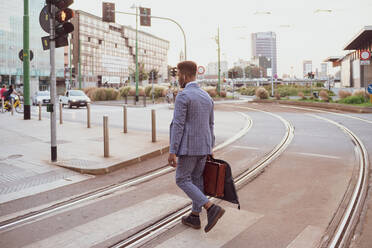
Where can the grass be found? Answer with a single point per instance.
(367, 104)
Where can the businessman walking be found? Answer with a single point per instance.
(191, 140)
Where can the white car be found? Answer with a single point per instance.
(42, 97)
(74, 98)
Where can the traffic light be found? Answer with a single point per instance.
(145, 16)
(62, 25)
(174, 71)
(310, 75)
(108, 12)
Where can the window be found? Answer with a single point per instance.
(100, 42)
(88, 39)
(116, 45)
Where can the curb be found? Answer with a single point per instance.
(114, 166)
(325, 105)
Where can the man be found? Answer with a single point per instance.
(191, 140)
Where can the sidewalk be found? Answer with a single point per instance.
(79, 148)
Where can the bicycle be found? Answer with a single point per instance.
(17, 105)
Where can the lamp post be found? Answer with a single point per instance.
(26, 62)
(137, 72)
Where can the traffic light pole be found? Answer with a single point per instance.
(137, 72)
(26, 62)
(272, 68)
(162, 18)
(79, 64)
(69, 46)
(53, 93)
(219, 62)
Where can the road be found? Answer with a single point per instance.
(308, 166)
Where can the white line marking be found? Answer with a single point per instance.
(225, 230)
(246, 147)
(308, 238)
(318, 155)
(106, 227)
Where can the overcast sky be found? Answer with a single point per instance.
(302, 34)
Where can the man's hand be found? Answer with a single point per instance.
(172, 160)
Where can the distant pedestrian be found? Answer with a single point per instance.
(169, 95)
(191, 140)
(2, 91)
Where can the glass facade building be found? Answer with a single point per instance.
(107, 51)
(264, 44)
(11, 42)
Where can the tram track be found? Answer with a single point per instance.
(46, 210)
(148, 233)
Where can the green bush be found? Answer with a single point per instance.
(353, 100)
(319, 85)
(104, 94)
(124, 91)
(111, 94)
(262, 93)
(148, 90)
(159, 91)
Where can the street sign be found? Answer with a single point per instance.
(365, 55)
(21, 54)
(365, 62)
(369, 89)
(201, 70)
(44, 19)
(145, 16)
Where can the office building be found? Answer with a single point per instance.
(11, 42)
(307, 67)
(323, 70)
(264, 45)
(212, 68)
(107, 51)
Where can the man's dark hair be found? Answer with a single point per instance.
(187, 68)
(4, 86)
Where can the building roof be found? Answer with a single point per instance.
(332, 59)
(360, 39)
(128, 27)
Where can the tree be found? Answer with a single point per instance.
(253, 71)
(235, 72)
(142, 74)
(155, 73)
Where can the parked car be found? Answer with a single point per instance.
(42, 97)
(74, 98)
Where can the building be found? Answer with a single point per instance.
(212, 68)
(11, 42)
(323, 70)
(264, 44)
(354, 72)
(107, 51)
(307, 67)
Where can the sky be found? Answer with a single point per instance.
(302, 32)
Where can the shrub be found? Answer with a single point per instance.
(132, 91)
(222, 93)
(90, 92)
(262, 93)
(353, 100)
(111, 94)
(324, 95)
(148, 90)
(99, 94)
(360, 93)
(124, 91)
(319, 85)
(159, 91)
(211, 91)
(343, 94)
(277, 96)
(301, 95)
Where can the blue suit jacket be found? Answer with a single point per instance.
(191, 131)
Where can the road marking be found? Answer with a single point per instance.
(228, 227)
(106, 227)
(41, 188)
(318, 155)
(308, 238)
(246, 147)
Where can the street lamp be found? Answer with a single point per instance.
(137, 73)
(217, 39)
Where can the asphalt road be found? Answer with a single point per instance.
(290, 204)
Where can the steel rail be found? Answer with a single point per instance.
(45, 211)
(345, 228)
(150, 232)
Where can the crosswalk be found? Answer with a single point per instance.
(135, 217)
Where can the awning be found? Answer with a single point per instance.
(361, 39)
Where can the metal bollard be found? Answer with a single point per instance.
(144, 100)
(12, 106)
(153, 126)
(39, 111)
(88, 115)
(2, 105)
(126, 99)
(105, 137)
(125, 120)
(60, 113)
